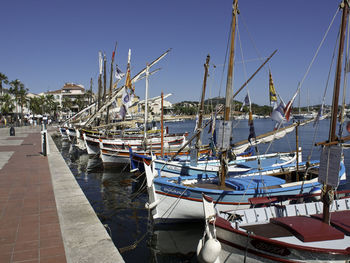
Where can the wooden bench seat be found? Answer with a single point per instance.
(308, 229)
(338, 219)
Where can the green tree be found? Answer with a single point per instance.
(80, 102)
(51, 106)
(49, 103)
(14, 90)
(3, 78)
(35, 105)
(7, 105)
(66, 104)
(89, 96)
(22, 98)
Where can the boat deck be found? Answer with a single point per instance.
(339, 219)
(268, 230)
(308, 229)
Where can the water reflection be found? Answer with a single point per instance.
(177, 241)
(118, 198)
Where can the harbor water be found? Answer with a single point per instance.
(118, 196)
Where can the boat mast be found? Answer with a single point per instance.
(146, 104)
(297, 146)
(201, 107)
(227, 113)
(91, 100)
(104, 76)
(111, 83)
(333, 122)
(99, 86)
(162, 127)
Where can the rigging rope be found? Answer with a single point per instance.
(324, 94)
(317, 51)
(341, 116)
(254, 45)
(310, 65)
(223, 68)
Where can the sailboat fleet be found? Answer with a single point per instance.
(271, 206)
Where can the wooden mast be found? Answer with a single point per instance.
(90, 97)
(104, 77)
(99, 92)
(162, 128)
(201, 106)
(333, 122)
(227, 113)
(146, 105)
(297, 146)
(111, 82)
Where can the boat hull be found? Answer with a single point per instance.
(180, 198)
(258, 236)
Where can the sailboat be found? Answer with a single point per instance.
(180, 198)
(307, 232)
(243, 161)
(117, 151)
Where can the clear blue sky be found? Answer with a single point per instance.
(47, 43)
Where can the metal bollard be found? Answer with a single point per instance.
(44, 144)
(12, 131)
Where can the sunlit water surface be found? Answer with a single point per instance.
(118, 197)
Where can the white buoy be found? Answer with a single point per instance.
(210, 251)
(200, 246)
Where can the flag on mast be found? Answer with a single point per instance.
(251, 127)
(100, 60)
(126, 102)
(272, 90)
(246, 102)
(128, 78)
(278, 113)
(122, 112)
(319, 115)
(287, 110)
(118, 73)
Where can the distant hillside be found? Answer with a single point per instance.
(191, 107)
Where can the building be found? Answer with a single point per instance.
(155, 105)
(71, 91)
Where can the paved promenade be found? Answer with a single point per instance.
(44, 215)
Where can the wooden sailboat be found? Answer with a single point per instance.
(304, 232)
(179, 198)
(117, 151)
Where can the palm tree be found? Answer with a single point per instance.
(3, 78)
(22, 98)
(80, 102)
(35, 105)
(49, 103)
(20, 92)
(7, 104)
(67, 104)
(55, 108)
(14, 90)
(89, 96)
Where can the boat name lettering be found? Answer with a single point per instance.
(171, 190)
(174, 168)
(270, 248)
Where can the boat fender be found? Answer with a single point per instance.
(152, 205)
(200, 246)
(134, 170)
(315, 190)
(209, 253)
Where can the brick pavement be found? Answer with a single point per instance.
(29, 224)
